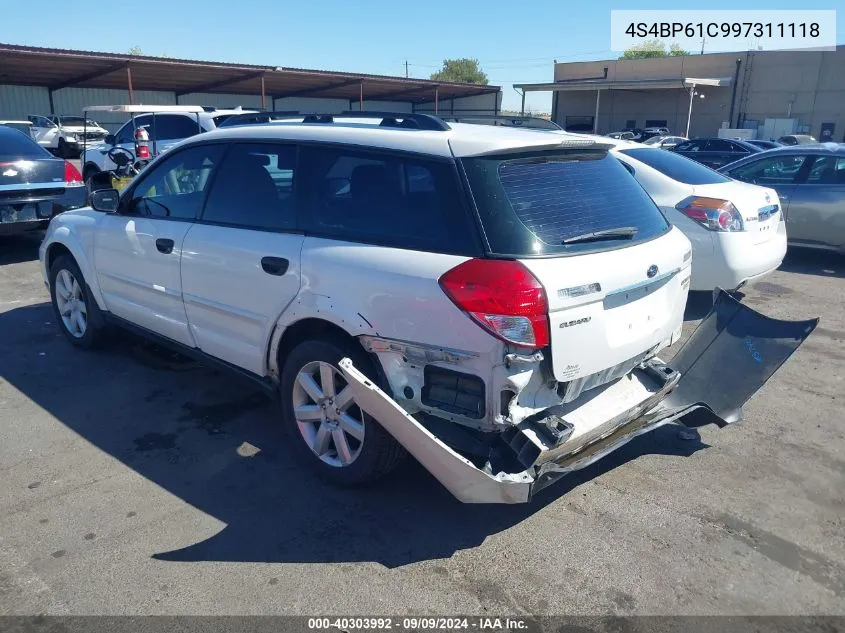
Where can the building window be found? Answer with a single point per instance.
(656, 123)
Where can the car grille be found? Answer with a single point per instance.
(91, 136)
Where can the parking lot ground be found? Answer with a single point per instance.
(136, 483)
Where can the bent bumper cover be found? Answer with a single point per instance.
(733, 352)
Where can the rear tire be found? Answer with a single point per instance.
(328, 432)
(76, 310)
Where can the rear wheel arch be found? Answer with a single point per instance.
(320, 329)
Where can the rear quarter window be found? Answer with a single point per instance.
(15, 145)
(530, 203)
(676, 167)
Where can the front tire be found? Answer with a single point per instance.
(328, 431)
(76, 311)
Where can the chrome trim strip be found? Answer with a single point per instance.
(34, 186)
(641, 284)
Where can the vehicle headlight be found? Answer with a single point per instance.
(70, 138)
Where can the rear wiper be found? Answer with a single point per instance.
(608, 234)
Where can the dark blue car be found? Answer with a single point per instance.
(715, 152)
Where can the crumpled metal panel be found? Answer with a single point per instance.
(731, 355)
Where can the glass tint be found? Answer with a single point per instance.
(175, 187)
(254, 188)
(530, 204)
(387, 199)
(676, 167)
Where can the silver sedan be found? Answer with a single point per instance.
(810, 181)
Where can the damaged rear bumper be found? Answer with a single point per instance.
(731, 354)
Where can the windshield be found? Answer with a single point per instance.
(654, 140)
(676, 167)
(543, 203)
(77, 120)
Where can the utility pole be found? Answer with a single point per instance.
(406, 69)
(702, 44)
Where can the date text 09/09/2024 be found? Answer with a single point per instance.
(723, 29)
(416, 623)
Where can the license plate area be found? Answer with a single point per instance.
(25, 212)
(628, 312)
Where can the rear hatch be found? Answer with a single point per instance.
(615, 273)
(758, 206)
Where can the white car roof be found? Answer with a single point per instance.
(462, 139)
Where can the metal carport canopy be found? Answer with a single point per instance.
(624, 84)
(60, 68)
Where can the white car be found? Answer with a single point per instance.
(64, 135)
(491, 300)
(737, 230)
(165, 127)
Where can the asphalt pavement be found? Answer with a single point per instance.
(135, 482)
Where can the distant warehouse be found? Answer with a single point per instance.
(770, 93)
(49, 81)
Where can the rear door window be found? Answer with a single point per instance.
(254, 188)
(690, 146)
(720, 145)
(172, 126)
(385, 199)
(541, 203)
(827, 170)
(773, 170)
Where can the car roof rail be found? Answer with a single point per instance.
(511, 118)
(404, 120)
(409, 120)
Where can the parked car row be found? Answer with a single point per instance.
(35, 186)
(492, 301)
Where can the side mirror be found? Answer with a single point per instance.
(105, 200)
(110, 139)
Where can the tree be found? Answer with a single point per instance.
(464, 70)
(135, 50)
(652, 48)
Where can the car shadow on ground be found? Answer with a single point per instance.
(15, 249)
(806, 261)
(216, 444)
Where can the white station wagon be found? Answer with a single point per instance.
(490, 300)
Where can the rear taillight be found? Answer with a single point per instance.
(712, 213)
(503, 297)
(72, 175)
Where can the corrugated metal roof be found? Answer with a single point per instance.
(61, 68)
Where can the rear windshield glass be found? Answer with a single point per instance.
(15, 145)
(677, 167)
(531, 203)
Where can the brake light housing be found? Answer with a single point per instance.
(713, 214)
(503, 297)
(72, 176)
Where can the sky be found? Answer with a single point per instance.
(515, 42)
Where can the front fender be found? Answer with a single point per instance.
(76, 236)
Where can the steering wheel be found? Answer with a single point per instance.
(120, 156)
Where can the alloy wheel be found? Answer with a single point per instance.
(328, 419)
(71, 304)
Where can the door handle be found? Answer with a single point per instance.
(164, 245)
(783, 198)
(275, 265)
